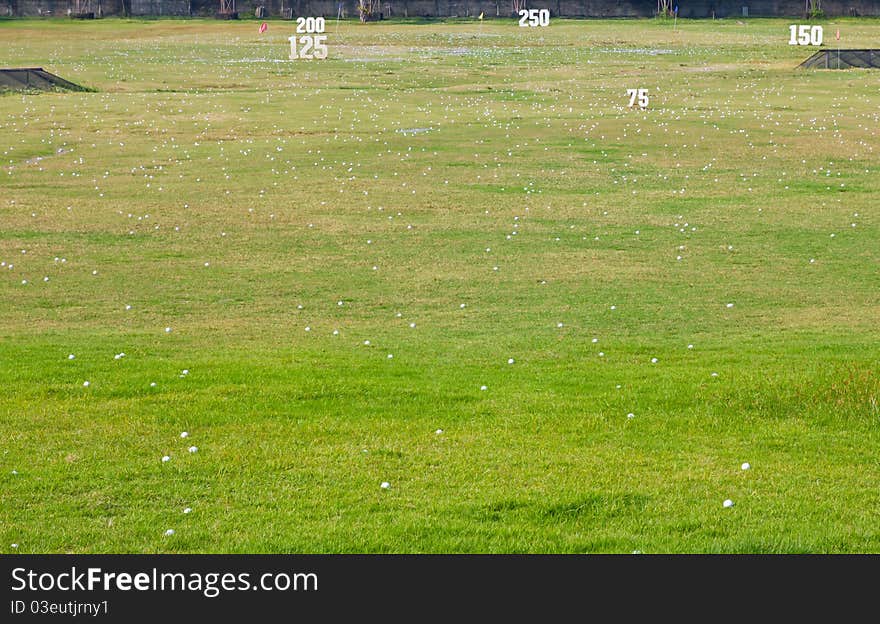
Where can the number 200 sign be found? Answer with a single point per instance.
(307, 43)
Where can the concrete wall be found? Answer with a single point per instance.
(450, 8)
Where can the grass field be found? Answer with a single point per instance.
(680, 289)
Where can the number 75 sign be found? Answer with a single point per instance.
(638, 95)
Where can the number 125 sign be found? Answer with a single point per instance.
(308, 43)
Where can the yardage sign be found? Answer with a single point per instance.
(804, 34)
(308, 43)
(638, 96)
(530, 18)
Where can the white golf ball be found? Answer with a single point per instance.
(484, 388)
(439, 431)
(184, 434)
(167, 330)
(728, 503)
(165, 458)
(187, 510)
(86, 384)
(385, 485)
(71, 356)
(510, 361)
(169, 532)
(653, 360)
(746, 466)
(193, 449)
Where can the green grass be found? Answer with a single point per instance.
(202, 143)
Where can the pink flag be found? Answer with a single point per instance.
(263, 27)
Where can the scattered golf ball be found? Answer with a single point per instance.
(746, 466)
(169, 532)
(630, 415)
(167, 330)
(653, 360)
(166, 458)
(86, 384)
(187, 510)
(193, 449)
(484, 388)
(385, 485)
(71, 356)
(438, 432)
(510, 361)
(184, 434)
(728, 503)
(729, 305)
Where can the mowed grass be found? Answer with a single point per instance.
(459, 195)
